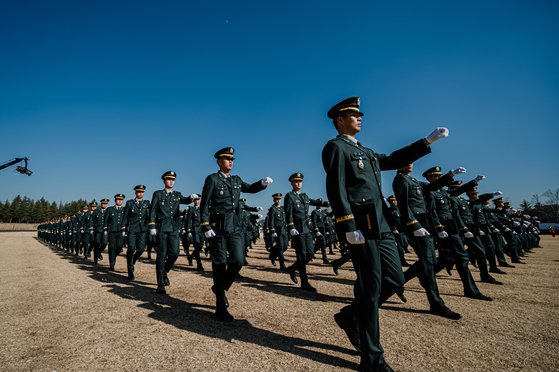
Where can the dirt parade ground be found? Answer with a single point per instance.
(59, 312)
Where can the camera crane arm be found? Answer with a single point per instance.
(20, 169)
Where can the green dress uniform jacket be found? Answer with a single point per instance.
(136, 215)
(114, 219)
(220, 207)
(297, 210)
(276, 220)
(164, 213)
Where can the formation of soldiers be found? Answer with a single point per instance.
(362, 226)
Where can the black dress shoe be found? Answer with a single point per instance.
(308, 287)
(131, 276)
(401, 296)
(200, 268)
(496, 270)
(518, 262)
(189, 258)
(160, 290)
(335, 267)
(350, 329)
(100, 257)
(221, 313)
(166, 281)
(449, 270)
(445, 312)
(491, 280)
(479, 297)
(111, 268)
(506, 264)
(292, 275)
(382, 367)
(326, 261)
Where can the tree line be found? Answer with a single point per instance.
(25, 210)
(545, 206)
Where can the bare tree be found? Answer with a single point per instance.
(536, 199)
(553, 200)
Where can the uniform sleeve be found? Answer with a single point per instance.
(270, 219)
(432, 209)
(153, 210)
(455, 209)
(252, 188)
(185, 199)
(125, 217)
(334, 164)
(188, 221)
(438, 183)
(314, 220)
(401, 191)
(106, 219)
(405, 155)
(462, 189)
(288, 205)
(207, 193)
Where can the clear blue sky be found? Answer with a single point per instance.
(105, 95)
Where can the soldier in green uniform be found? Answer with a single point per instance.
(89, 228)
(220, 215)
(278, 229)
(298, 223)
(135, 222)
(417, 217)
(100, 234)
(81, 230)
(113, 224)
(398, 229)
(451, 247)
(194, 233)
(165, 223)
(318, 219)
(354, 190)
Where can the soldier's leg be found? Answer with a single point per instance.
(307, 253)
(461, 260)
(141, 239)
(218, 247)
(392, 278)
(173, 250)
(425, 250)
(112, 250)
(96, 247)
(196, 255)
(132, 239)
(499, 253)
(236, 259)
(478, 250)
(281, 247)
(489, 251)
(322, 241)
(162, 244)
(367, 263)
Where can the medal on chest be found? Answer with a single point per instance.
(418, 192)
(220, 192)
(360, 164)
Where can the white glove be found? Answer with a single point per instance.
(152, 232)
(258, 209)
(190, 235)
(210, 234)
(124, 234)
(481, 233)
(91, 233)
(421, 233)
(458, 170)
(442, 234)
(70, 234)
(514, 232)
(193, 196)
(497, 193)
(437, 134)
(507, 229)
(480, 178)
(496, 231)
(105, 233)
(293, 232)
(395, 231)
(266, 181)
(318, 234)
(355, 237)
(468, 235)
(274, 235)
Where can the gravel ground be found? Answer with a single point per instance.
(59, 312)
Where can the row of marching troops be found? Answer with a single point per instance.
(372, 232)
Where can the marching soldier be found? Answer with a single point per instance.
(135, 225)
(297, 217)
(220, 211)
(277, 227)
(113, 224)
(417, 218)
(82, 233)
(319, 225)
(451, 247)
(353, 187)
(194, 233)
(100, 234)
(165, 223)
(398, 229)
